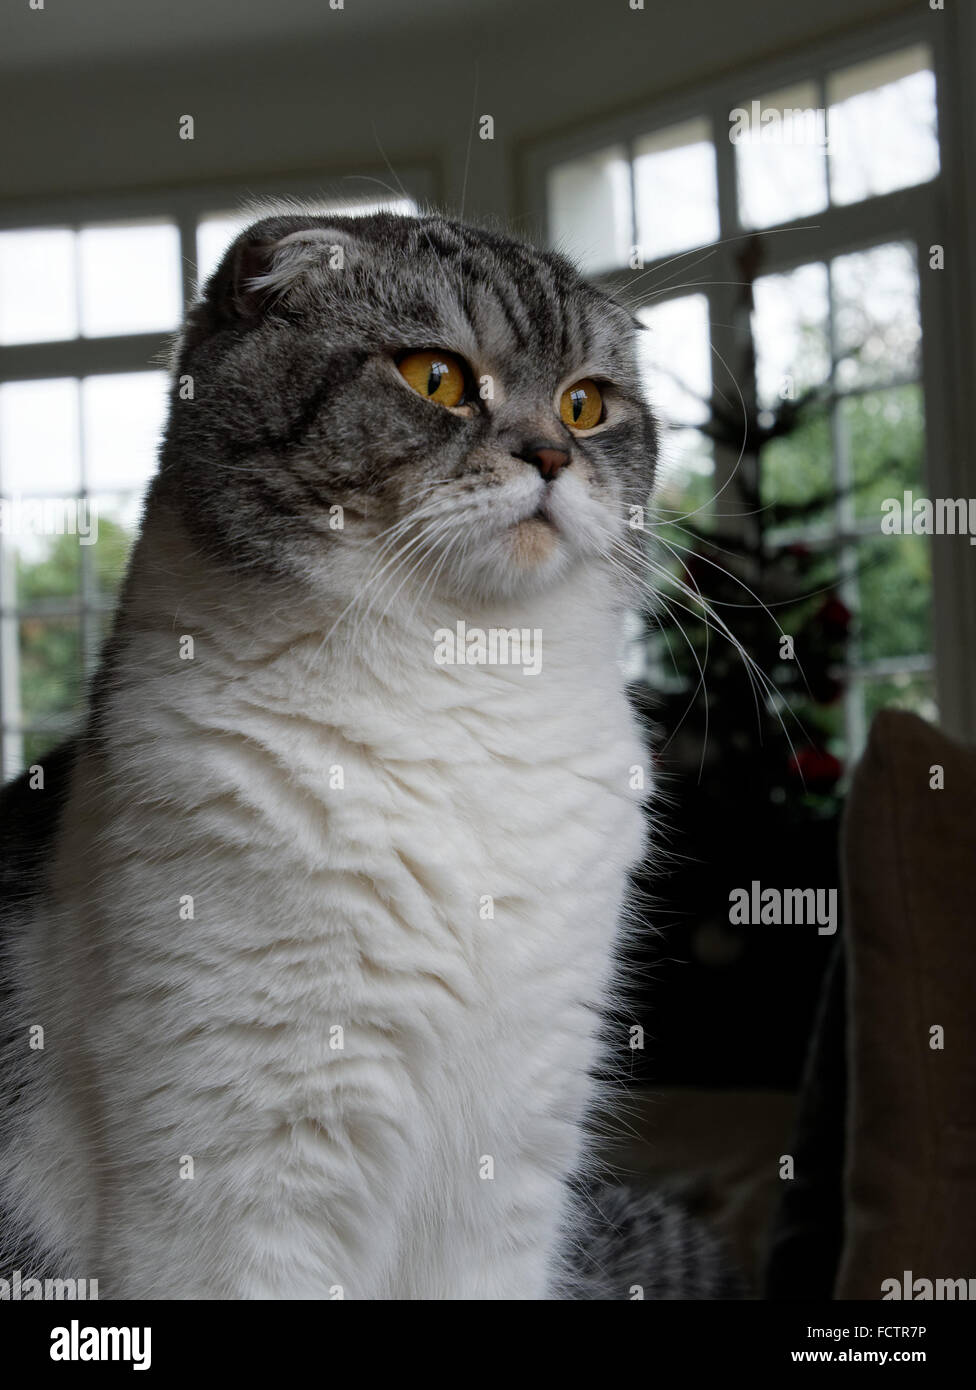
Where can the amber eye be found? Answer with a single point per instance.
(437, 375)
(581, 405)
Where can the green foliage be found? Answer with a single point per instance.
(56, 575)
(797, 470)
(50, 666)
(895, 585)
(885, 432)
(51, 656)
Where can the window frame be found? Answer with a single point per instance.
(939, 211)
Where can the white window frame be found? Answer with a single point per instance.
(81, 357)
(942, 211)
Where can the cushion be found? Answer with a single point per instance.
(910, 879)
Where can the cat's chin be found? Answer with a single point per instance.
(530, 558)
(534, 541)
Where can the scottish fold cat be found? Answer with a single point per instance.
(318, 913)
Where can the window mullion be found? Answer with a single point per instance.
(733, 359)
(80, 357)
(854, 722)
(728, 211)
(821, 80)
(186, 225)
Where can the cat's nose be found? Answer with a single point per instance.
(548, 458)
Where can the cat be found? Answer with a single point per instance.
(318, 913)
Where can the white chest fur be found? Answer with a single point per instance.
(341, 924)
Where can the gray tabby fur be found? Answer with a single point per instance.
(297, 405)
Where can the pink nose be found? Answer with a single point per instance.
(547, 460)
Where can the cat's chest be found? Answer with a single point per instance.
(470, 813)
(475, 842)
(396, 948)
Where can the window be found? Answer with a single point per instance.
(675, 193)
(781, 167)
(882, 126)
(866, 130)
(677, 365)
(850, 328)
(86, 313)
(657, 192)
(781, 264)
(591, 209)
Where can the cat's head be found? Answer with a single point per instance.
(391, 400)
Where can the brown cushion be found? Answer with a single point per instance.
(910, 877)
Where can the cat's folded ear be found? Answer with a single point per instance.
(261, 272)
(269, 262)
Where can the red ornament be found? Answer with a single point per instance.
(819, 770)
(834, 617)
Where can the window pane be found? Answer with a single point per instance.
(797, 475)
(38, 301)
(675, 357)
(913, 690)
(686, 477)
(130, 278)
(885, 433)
(48, 567)
(675, 189)
(50, 666)
(590, 210)
(780, 161)
(895, 585)
(214, 235)
(123, 419)
(876, 320)
(39, 437)
(882, 125)
(790, 316)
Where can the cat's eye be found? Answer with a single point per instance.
(439, 376)
(581, 405)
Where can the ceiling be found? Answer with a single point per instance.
(73, 32)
